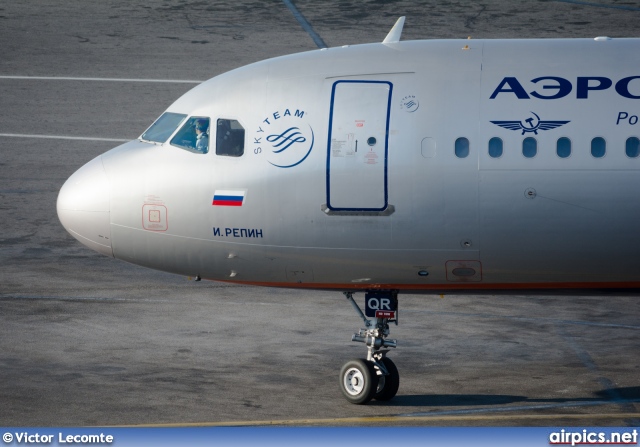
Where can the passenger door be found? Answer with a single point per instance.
(357, 152)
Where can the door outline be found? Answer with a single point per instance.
(386, 149)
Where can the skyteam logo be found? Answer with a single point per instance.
(532, 124)
(409, 104)
(284, 138)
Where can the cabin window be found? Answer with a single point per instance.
(229, 138)
(529, 147)
(462, 148)
(495, 147)
(163, 127)
(193, 136)
(598, 147)
(563, 147)
(632, 147)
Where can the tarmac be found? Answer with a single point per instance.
(88, 340)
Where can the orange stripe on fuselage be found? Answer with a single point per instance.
(469, 287)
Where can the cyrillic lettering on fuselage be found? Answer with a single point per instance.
(556, 87)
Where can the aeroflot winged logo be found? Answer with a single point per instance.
(284, 138)
(530, 124)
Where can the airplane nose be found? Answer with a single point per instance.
(83, 206)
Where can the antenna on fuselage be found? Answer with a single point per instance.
(396, 32)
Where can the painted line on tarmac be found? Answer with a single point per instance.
(475, 411)
(392, 419)
(471, 415)
(4, 296)
(62, 137)
(305, 24)
(81, 298)
(600, 5)
(66, 78)
(608, 385)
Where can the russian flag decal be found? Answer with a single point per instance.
(228, 198)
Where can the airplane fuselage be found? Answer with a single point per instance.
(421, 166)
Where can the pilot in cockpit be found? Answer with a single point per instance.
(202, 139)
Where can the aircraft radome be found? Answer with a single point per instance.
(440, 166)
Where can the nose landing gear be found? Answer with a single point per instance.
(375, 377)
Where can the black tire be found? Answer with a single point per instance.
(388, 385)
(358, 381)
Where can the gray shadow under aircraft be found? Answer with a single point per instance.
(622, 395)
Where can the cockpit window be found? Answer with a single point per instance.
(164, 126)
(194, 135)
(229, 138)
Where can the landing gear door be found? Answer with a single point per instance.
(358, 146)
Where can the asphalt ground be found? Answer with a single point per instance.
(89, 340)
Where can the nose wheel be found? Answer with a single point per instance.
(387, 384)
(375, 377)
(359, 381)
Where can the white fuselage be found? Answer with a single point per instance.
(379, 167)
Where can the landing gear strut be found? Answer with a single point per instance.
(375, 377)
